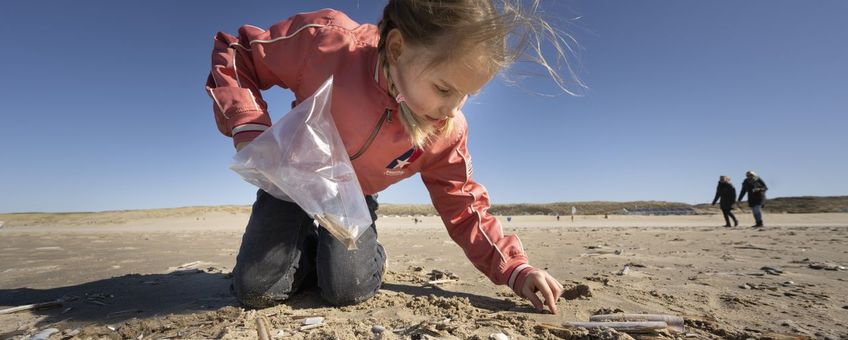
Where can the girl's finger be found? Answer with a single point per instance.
(534, 299)
(548, 295)
(555, 287)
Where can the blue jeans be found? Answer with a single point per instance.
(758, 213)
(282, 253)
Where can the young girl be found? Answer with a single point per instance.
(397, 94)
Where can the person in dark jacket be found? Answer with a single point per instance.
(727, 193)
(756, 189)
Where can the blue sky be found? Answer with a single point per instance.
(103, 105)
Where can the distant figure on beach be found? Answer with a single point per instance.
(557, 217)
(573, 211)
(756, 189)
(727, 194)
(509, 218)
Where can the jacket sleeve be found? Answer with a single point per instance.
(463, 206)
(743, 191)
(255, 60)
(718, 193)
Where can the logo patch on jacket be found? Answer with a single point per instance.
(396, 167)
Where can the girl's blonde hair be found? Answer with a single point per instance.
(501, 29)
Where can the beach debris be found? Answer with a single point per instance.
(825, 266)
(438, 277)
(601, 250)
(262, 328)
(314, 320)
(436, 282)
(44, 334)
(772, 270)
(603, 280)
(377, 329)
(569, 332)
(186, 268)
(498, 336)
(637, 327)
(126, 311)
(98, 299)
(190, 264)
(624, 271)
(41, 305)
(607, 310)
(673, 322)
(751, 246)
(758, 286)
(71, 332)
(744, 286)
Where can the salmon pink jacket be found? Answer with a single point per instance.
(299, 54)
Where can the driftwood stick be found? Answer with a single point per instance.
(189, 265)
(675, 323)
(435, 282)
(55, 303)
(262, 329)
(628, 327)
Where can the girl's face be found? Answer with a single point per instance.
(433, 93)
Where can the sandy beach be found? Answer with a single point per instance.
(164, 276)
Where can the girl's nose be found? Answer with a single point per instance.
(452, 109)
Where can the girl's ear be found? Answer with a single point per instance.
(394, 46)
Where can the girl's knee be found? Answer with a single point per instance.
(343, 295)
(254, 293)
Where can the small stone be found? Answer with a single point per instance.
(313, 320)
(377, 329)
(498, 336)
(772, 270)
(745, 286)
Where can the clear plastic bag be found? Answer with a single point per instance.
(301, 158)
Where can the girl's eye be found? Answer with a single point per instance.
(442, 90)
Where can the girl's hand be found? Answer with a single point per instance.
(539, 281)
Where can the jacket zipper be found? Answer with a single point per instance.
(386, 115)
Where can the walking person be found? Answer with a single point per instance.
(726, 193)
(756, 189)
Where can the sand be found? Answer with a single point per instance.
(168, 277)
